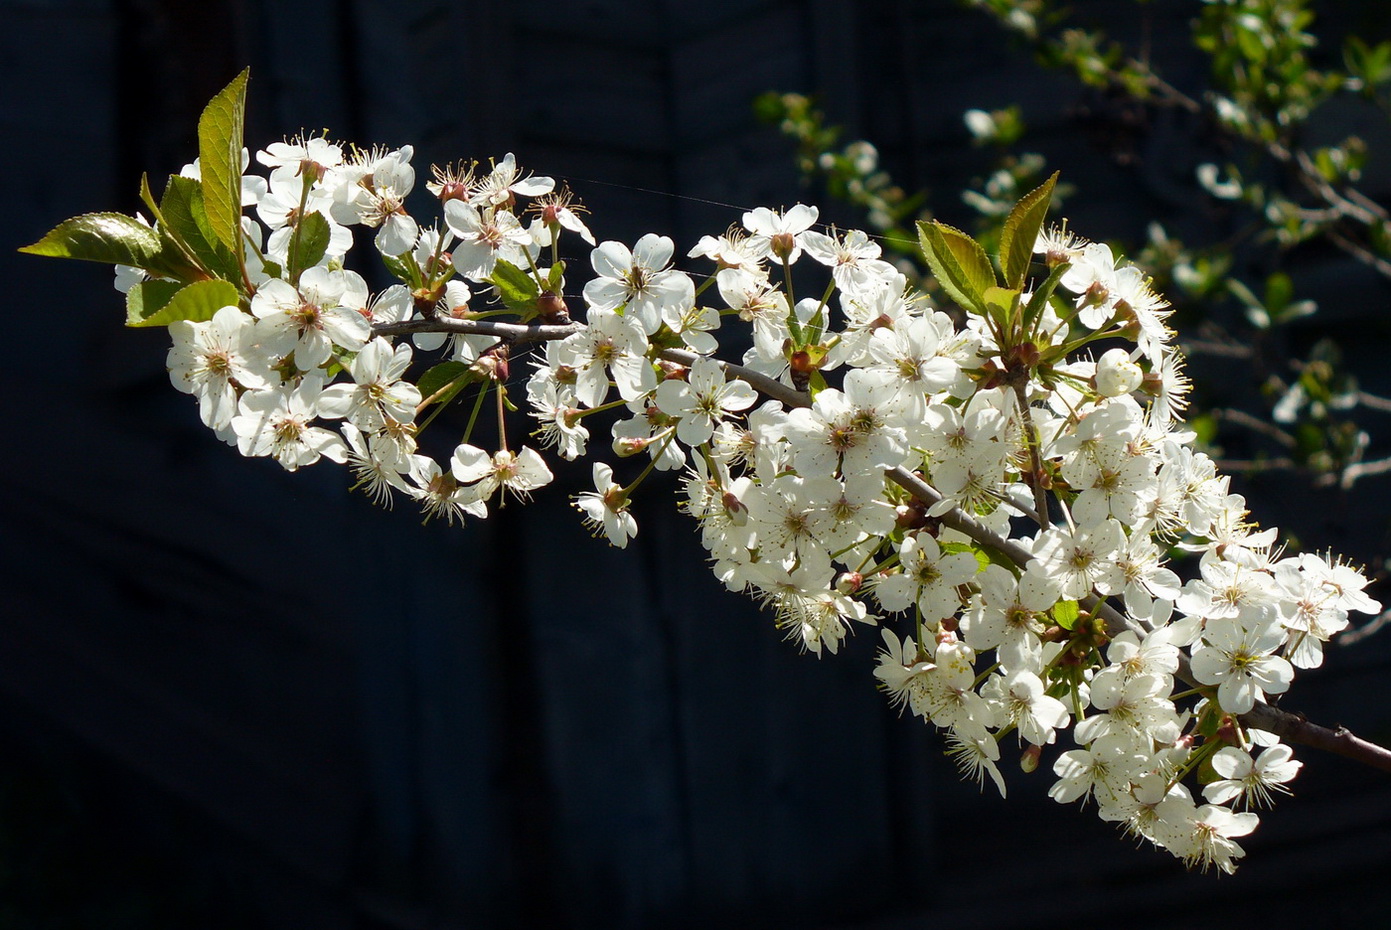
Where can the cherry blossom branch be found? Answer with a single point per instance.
(1366, 629)
(1292, 727)
(516, 333)
(771, 387)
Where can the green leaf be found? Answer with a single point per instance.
(1041, 296)
(1067, 614)
(196, 303)
(1021, 231)
(517, 289)
(308, 244)
(219, 158)
(439, 376)
(403, 268)
(958, 262)
(102, 237)
(1001, 303)
(147, 298)
(184, 216)
(555, 278)
(982, 557)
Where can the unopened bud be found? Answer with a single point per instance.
(1028, 759)
(783, 245)
(849, 582)
(627, 446)
(736, 509)
(1116, 374)
(672, 371)
(494, 363)
(552, 309)
(453, 190)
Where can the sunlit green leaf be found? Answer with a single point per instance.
(219, 158)
(1021, 231)
(195, 302)
(958, 262)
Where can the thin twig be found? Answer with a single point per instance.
(1255, 424)
(516, 333)
(1353, 637)
(1373, 402)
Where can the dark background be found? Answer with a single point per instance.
(232, 696)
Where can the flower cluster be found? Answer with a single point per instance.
(999, 496)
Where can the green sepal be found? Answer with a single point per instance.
(152, 303)
(958, 263)
(555, 278)
(308, 244)
(1021, 232)
(516, 287)
(219, 160)
(439, 376)
(1067, 614)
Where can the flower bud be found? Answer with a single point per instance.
(1116, 374)
(1028, 759)
(552, 309)
(672, 371)
(783, 244)
(849, 582)
(628, 446)
(736, 509)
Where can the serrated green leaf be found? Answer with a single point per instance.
(101, 237)
(219, 158)
(437, 377)
(196, 303)
(1067, 614)
(308, 244)
(517, 289)
(1021, 232)
(958, 262)
(1001, 304)
(147, 298)
(182, 210)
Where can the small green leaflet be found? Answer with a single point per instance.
(958, 263)
(1067, 614)
(308, 244)
(517, 289)
(159, 303)
(1021, 232)
(437, 377)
